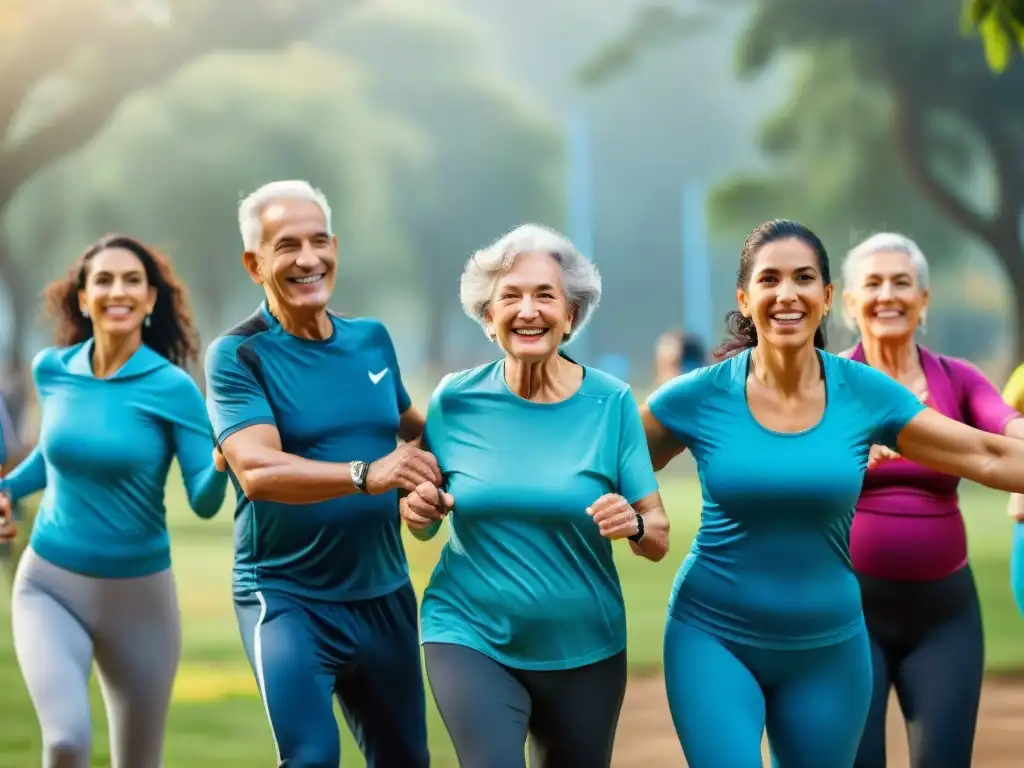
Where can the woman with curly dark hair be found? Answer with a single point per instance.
(95, 581)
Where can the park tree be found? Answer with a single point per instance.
(307, 115)
(491, 158)
(893, 105)
(67, 65)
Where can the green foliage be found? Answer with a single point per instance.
(834, 164)
(890, 126)
(1000, 25)
(67, 68)
(176, 160)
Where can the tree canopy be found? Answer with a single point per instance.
(67, 65)
(895, 121)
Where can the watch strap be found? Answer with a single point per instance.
(635, 538)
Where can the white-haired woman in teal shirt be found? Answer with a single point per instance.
(546, 464)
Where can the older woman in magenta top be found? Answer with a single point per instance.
(908, 544)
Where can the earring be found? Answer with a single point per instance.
(148, 321)
(85, 313)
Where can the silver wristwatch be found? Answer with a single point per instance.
(359, 470)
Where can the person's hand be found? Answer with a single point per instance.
(879, 454)
(219, 462)
(615, 518)
(424, 506)
(8, 528)
(404, 468)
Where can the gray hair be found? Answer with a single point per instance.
(250, 210)
(880, 243)
(580, 278)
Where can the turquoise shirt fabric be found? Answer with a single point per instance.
(525, 577)
(770, 566)
(105, 449)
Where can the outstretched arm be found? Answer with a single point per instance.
(946, 445)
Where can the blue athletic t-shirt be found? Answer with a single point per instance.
(105, 448)
(525, 577)
(770, 565)
(338, 400)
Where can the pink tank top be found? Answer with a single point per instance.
(908, 525)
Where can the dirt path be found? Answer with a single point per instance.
(646, 738)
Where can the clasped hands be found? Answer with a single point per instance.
(427, 504)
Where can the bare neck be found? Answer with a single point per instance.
(110, 354)
(894, 357)
(314, 325)
(787, 371)
(544, 381)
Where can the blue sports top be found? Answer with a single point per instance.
(105, 448)
(770, 565)
(338, 400)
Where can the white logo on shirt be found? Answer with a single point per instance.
(376, 377)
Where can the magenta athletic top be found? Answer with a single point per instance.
(908, 525)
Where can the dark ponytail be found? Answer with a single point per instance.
(740, 330)
(742, 335)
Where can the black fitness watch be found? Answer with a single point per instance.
(635, 538)
(359, 470)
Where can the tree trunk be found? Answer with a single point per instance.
(1011, 254)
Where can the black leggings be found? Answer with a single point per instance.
(489, 708)
(927, 641)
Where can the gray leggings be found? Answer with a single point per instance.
(62, 621)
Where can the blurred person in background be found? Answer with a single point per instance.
(95, 583)
(307, 407)
(677, 353)
(1013, 394)
(11, 453)
(546, 467)
(908, 543)
(766, 627)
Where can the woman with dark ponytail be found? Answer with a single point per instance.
(741, 329)
(766, 628)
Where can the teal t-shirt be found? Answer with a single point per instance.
(525, 577)
(770, 566)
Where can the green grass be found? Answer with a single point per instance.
(217, 719)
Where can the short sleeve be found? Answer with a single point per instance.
(234, 398)
(434, 430)
(891, 405)
(401, 395)
(984, 408)
(636, 474)
(675, 403)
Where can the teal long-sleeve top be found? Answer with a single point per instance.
(105, 448)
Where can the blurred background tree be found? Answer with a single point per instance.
(899, 125)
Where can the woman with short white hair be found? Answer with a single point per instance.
(545, 465)
(908, 544)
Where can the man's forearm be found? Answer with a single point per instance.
(290, 479)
